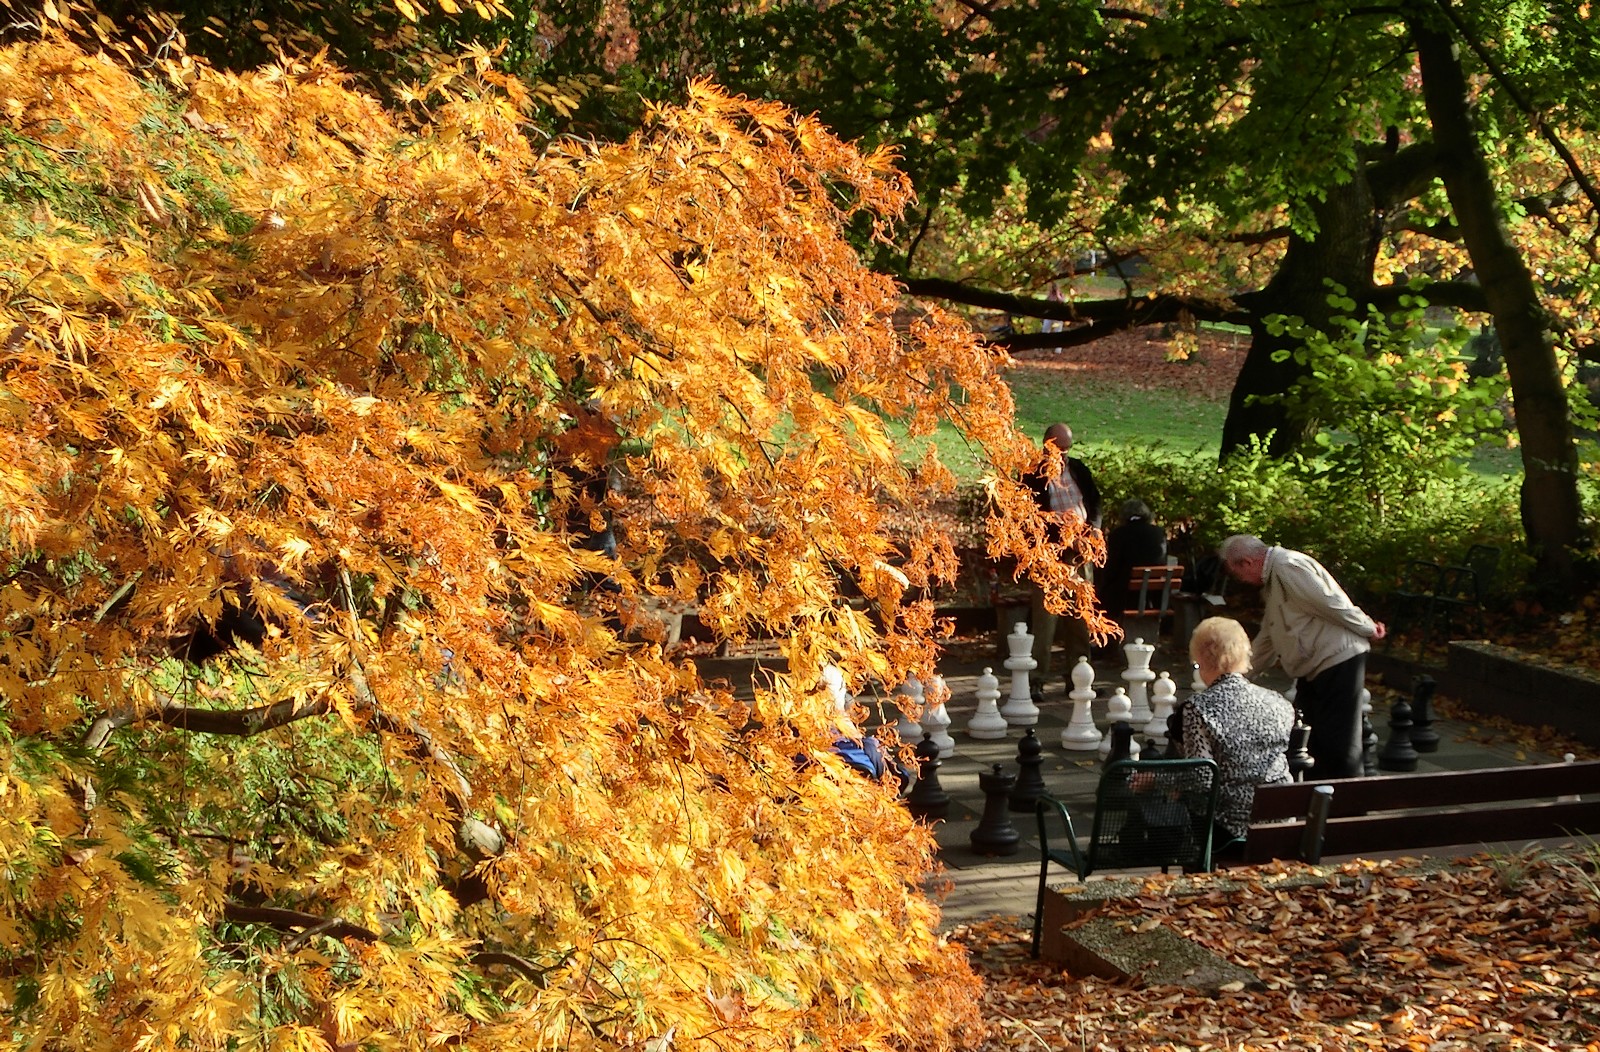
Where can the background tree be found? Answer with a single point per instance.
(1245, 155)
(330, 384)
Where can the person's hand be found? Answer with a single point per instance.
(1379, 631)
(1141, 781)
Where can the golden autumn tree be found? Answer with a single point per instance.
(351, 391)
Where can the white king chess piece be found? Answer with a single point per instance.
(1138, 675)
(908, 699)
(1164, 699)
(1019, 709)
(1117, 711)
(935, 720)
(987, 724)
(1080, 734)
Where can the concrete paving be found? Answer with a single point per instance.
(970, 884)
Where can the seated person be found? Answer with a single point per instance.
(1242, 727)
(1136, 542)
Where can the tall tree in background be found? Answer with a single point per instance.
(334, 385)
(1247, 155)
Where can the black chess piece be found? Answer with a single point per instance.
(1398, 754)
(1423, 737)
(1121, 742)
(1300, 758)
(1369, 745)
(995, 835)
(1030, 773)
(928, 800)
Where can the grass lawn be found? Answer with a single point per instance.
(1122, 391)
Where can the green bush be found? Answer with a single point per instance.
(1301, 503)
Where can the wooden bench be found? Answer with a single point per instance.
(1355, 816)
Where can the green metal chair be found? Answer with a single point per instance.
(1434, 595)
(1147, 813)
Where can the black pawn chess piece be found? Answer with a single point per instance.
(1300, 758)
(1398, 754)
(1030, 773)
(995, 835)
(1121, 742)
(1423, 737)
(928, 800)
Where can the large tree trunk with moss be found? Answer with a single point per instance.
(1551, 510)
(1342, 251)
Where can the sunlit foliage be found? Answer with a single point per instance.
(271, 354)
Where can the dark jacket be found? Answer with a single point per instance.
(1039, 485)
(1134, 543)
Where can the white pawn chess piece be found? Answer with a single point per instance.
(1568, 757)
(909, 700)
(1196, 684)
(1080, 733)
(833, 680)
(1138, 676)
(1019, 709)
(987, 724)
(935, 720)
(1134, 748)
(1117, 711)
(1165, 694)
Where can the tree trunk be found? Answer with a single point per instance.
(1551, 510)
(1342, 250)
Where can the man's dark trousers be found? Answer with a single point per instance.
(1331, 703)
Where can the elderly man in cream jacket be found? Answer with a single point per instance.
(1319, 636)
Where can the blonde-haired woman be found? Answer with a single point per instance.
(1244, 728)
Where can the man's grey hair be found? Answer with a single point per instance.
(1241, 546)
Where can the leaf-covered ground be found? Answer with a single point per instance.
(1498, 952)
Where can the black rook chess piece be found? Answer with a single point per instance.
(1423, 737)
(995, 834)
(1398, 754)
(928, 800)
(1300, 758)
(1030, 773)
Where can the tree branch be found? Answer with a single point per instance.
(1463, 295)
(292, 920)
(1095, 318)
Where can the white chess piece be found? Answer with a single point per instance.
(1196, 684)
(1019, 709)
(908, 697)
(987, 724)
(1568, 757)
(833, 680)
(1138, 675)
(1117, 711)
(1166, 698)
(1080, 734)
(935, 720)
